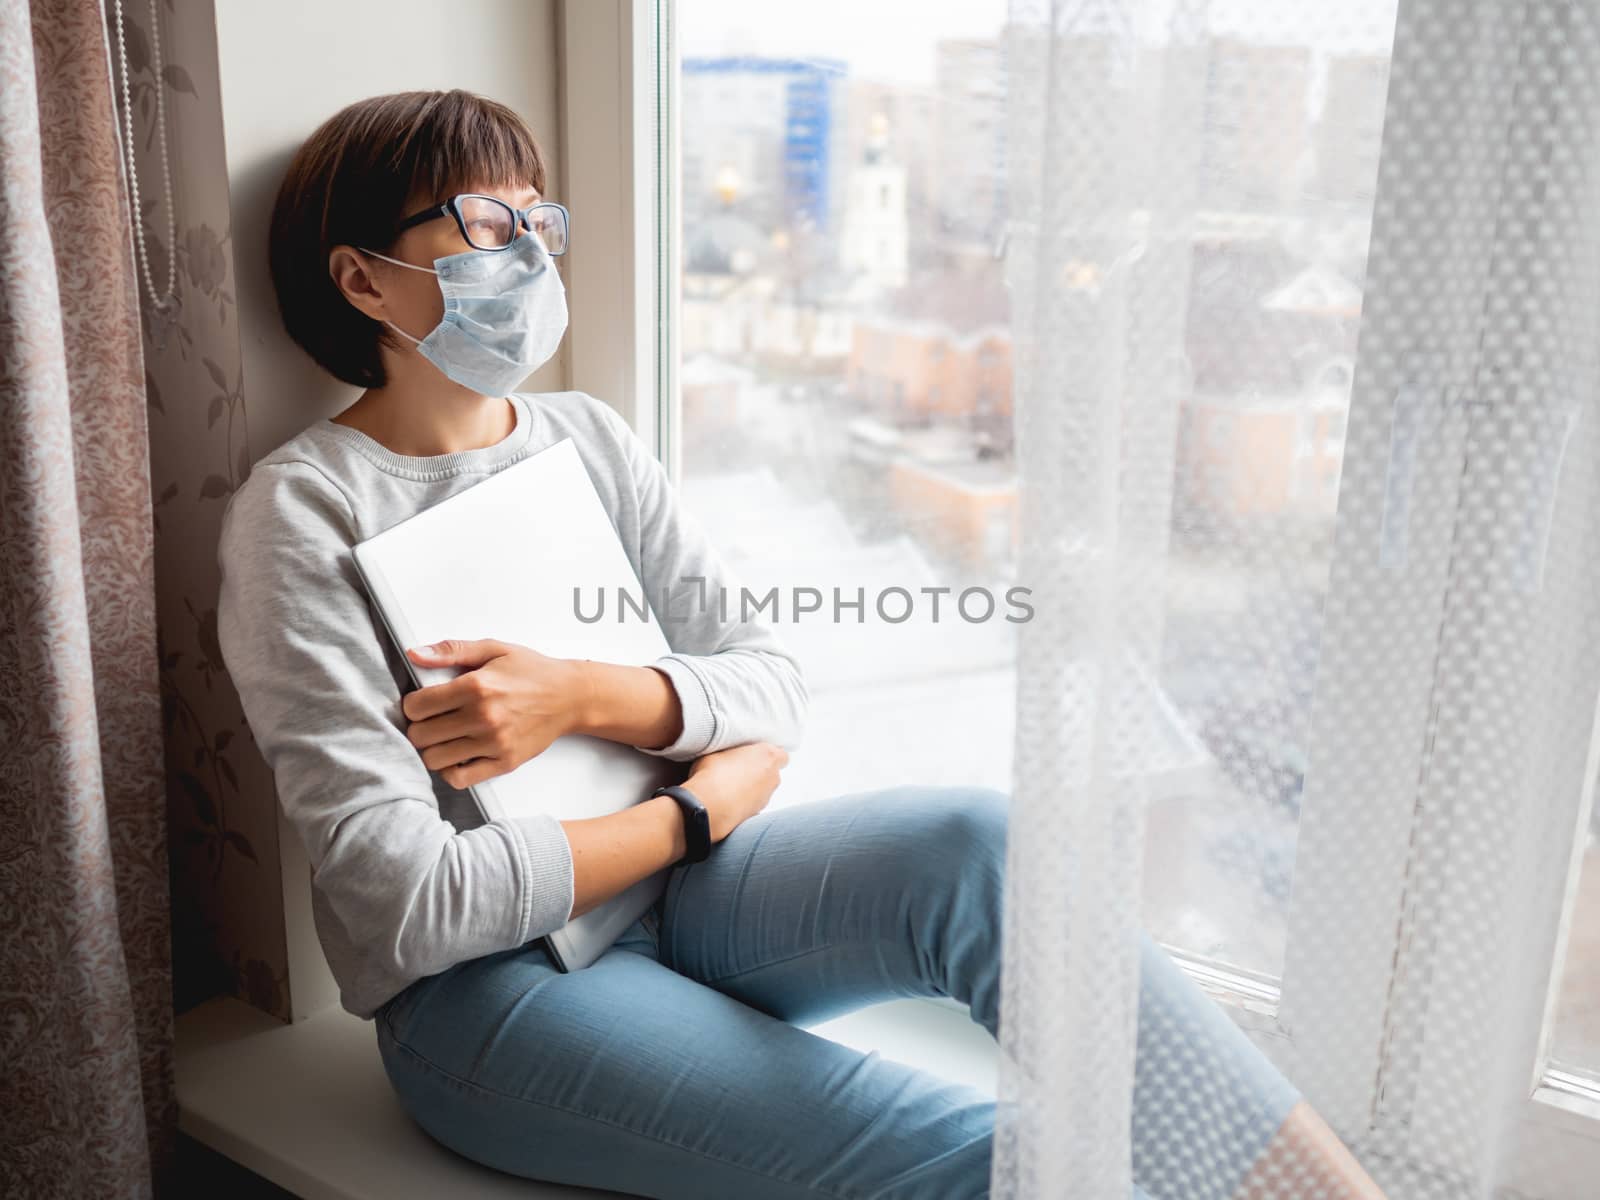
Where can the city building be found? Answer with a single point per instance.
(765, 125)
(1349, 130)
(970, 137)
(872, 241)
(1256, 134)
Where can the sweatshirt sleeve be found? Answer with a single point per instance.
(735, 679)
(307, 656)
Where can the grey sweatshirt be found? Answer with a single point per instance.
(407, 877)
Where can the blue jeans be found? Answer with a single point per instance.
(674, 1067)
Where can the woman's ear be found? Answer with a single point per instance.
(351, 273)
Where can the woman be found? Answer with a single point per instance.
(411, 249)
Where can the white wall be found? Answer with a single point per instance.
(285, 66)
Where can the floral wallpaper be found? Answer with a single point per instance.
(228, 926)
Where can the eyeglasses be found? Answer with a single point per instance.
(489, 223)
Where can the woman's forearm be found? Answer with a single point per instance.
(612, 853)
(637, 706)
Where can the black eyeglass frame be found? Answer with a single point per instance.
(521, 219)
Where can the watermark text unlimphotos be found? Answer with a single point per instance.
(893, 605)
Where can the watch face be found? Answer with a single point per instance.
(700, 840)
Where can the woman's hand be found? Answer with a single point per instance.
(508, 706)
(735, 784)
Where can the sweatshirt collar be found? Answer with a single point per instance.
(439, 466)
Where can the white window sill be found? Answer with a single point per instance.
(308, 1107)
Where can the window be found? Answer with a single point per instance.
(1243, 846)
(901, 139)
(925, 102)
(1336, 376)
(1335, 424)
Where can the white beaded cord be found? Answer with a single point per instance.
(164, 299)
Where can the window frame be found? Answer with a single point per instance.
(618, 63)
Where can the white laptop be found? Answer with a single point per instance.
(501, 560)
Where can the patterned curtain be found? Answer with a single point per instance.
(86, 1027)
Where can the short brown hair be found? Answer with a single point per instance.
(348, 183)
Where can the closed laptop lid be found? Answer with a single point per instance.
(501, 559)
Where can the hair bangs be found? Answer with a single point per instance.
(464, 142)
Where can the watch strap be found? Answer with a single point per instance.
(696, 822)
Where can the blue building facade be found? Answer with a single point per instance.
(810, 125)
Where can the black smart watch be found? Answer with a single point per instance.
(696, 822)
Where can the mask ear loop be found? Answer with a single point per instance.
(400, 331)
(398, 263)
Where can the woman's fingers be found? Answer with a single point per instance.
(457, 723)
(476, 771)
(457, 751)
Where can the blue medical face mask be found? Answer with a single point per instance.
(505, 312)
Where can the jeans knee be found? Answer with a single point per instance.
(985, 817)
(967, 827)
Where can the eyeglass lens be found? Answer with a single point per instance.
(491, 223)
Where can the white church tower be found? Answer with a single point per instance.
(873, 239)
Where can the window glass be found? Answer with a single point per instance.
(848, 420)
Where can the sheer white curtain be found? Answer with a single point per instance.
(1425, 632)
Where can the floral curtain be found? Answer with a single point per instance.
(86, 1024)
